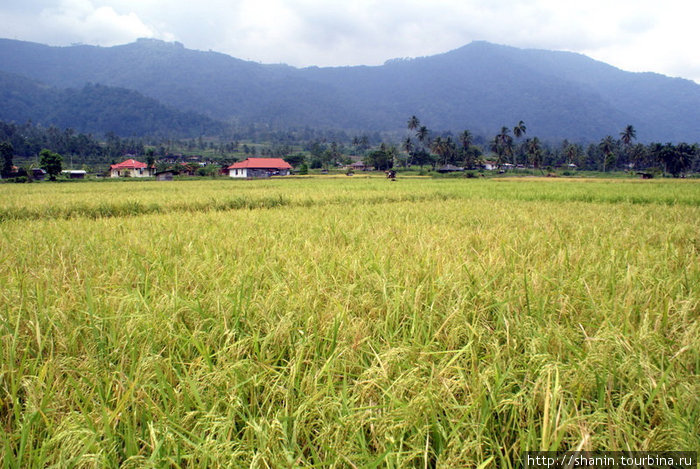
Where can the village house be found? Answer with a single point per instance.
(449, 168)
(38, 174)
(74, 173)
(167, 175)
(130, 168)
(259, 168)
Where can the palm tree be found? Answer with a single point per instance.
(534, 151)
(628, 135)
(408, 146)
(438, 147)
(503, 144)
(607, 145)
(518, 131)
(422, 134)
(465, 139)
(413, 123)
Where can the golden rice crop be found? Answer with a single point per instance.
(346, 322)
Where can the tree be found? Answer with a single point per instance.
(502, 145)
(422, 134)
(518, 131)
(51, 162)
(381, 159)
(675, 159)
(465, 138)
(534, 152)
(296, 159)
(607, 145)
(413, 123)
(7, 153)
(628, 135)
(150, 159)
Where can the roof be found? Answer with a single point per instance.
(261, 163)
(450, 167)
(129, 164)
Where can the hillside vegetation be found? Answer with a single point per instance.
(480, 86)
(97, 109)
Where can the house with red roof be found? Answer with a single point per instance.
(259, 168)
(130, 168)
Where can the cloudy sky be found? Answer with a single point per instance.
(636, 35)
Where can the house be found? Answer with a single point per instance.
(259, 168)
(449, 168)
(38, 174)
(165, 175)
(358, 166)
(490, 165)
(74, 173)
(130, 168)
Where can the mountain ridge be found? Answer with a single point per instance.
(479, 86)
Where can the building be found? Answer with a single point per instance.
(259, 168)
(449, 168)
(165, 175)
(74, 173)
(38, 174)
(357, 166)
(130, 168)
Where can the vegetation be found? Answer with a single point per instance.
(97, 109)
(346, 322)
(7, 153)
(559, 95)
(51, 162)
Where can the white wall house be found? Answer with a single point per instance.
(259, 168)
(130, 168)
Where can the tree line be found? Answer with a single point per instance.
(511, 148)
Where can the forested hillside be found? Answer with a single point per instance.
(98, 109)
(480, 86)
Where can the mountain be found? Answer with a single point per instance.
(97, 109)
(480, 87)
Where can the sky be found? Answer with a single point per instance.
(636, 35)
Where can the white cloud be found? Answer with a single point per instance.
(69, 21)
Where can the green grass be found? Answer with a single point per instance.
(346, 322)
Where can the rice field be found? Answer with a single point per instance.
(346, 322)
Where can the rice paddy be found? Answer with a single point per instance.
(346, 322)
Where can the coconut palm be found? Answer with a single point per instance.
(518, 131)
(628, 135)
(422, 134)
(606, 146)
(534, 151)
(408, 146)
(503, 144)
(413, 123)
(465, 139)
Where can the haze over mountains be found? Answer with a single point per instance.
(479, 87)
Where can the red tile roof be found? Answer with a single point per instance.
(261, 163)
(129, 164)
